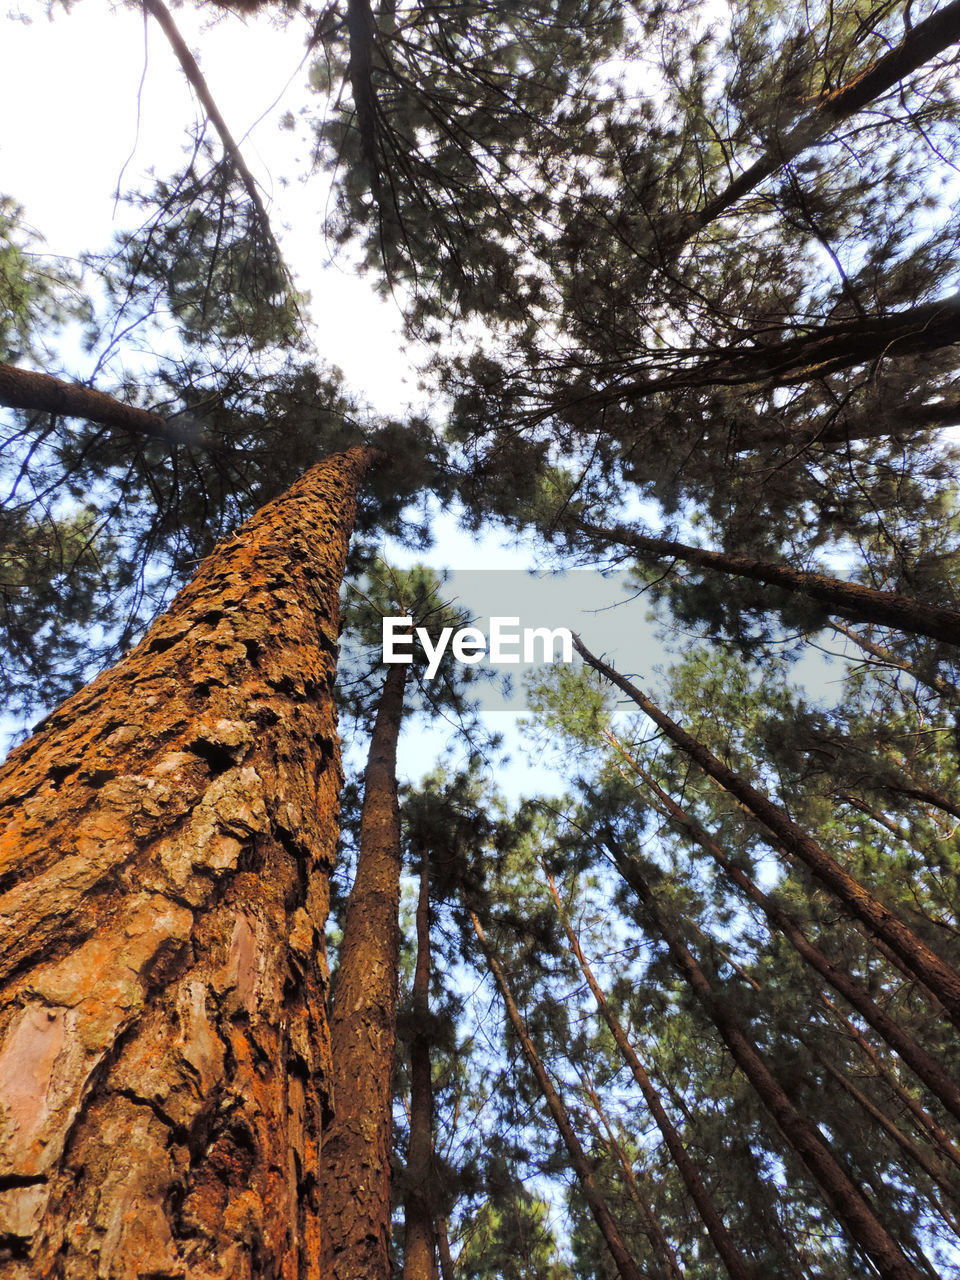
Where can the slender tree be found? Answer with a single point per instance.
(354, 1177)
(419, 1211)
(627, 1268)
(920, 959)
(848, 1203)
(733, 1260)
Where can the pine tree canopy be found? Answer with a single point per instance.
(679, 288)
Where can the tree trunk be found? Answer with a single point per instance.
(627, 1269)
(733, 1260)
(919, 1155)
(922, 1119)
(169, 831)
(933, 1075)
(354, 1190)
(935, 683)
(848, 599)
(443, 1249)
(849, 1206)
(922, 961)
(419, 1258)
(195, 78)
(41, 393)
(651, 1225)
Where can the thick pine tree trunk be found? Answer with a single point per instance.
(166, 843)
(920, 960)
(419, 1256)
(736, 1265)
(609, 1228)
(354, 1183)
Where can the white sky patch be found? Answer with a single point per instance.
(88, 125)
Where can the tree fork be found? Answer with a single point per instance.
(168, 835)
(607, 1224)
(354, 1177)
(849, 1206)
(922, 961)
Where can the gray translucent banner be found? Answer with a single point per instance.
(521, 609)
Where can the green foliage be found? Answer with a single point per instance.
(512, 1241)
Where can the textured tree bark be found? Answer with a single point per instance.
(849, 1206)
(921, 961)
(24, 389)
(848, 599)
(419, 1256)
(627, 1269)
(934, 1076)
(731, 1257)
(166, 843)
(355, 1162)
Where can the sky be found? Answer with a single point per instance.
(113, 105)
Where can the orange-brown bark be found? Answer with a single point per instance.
(355, 1164)
(167, 836)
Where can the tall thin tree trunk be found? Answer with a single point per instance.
(419, 1258)
(651, 1226)
(919, 1155)
(733, 1260)
(607, 1224)
(166, 844)
(933, 1075)
(354, 1183)
(848, 599)
(849, 1206)
(923, 1120)
(935, 683)
(880, 920)
(443, 1248)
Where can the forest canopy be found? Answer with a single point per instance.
(679, 284)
